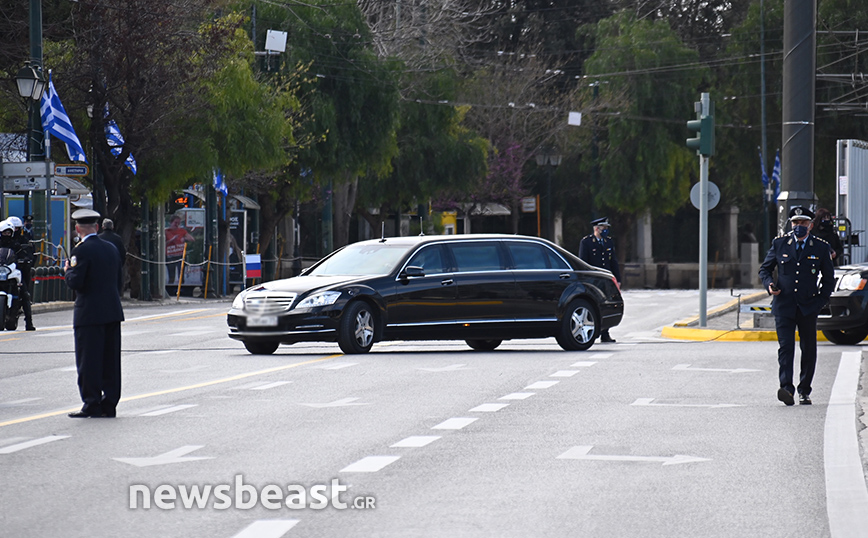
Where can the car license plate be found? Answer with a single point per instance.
(263, 321)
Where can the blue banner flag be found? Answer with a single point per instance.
(776, 175)
(219, 184)
(116, 141)
(765, 178)
(56, 121)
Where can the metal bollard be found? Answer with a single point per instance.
(39, 285)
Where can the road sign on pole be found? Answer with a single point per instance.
(71, 170)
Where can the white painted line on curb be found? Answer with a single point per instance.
(517, 396)
(370, 464)
(29, 444)
(167, 410)
(541, 385)
(415, 441)
(846, 492)
(267, 528)
(455, 423)
(488, 408)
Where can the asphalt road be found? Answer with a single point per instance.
(645, 437)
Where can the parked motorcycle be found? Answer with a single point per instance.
(10, 290)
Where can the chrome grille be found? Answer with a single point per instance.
(268, 303)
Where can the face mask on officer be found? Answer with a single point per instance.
(800, 231)
(604, 233)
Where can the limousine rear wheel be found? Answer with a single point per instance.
(579, 326)
(483, 345)
(356, 334)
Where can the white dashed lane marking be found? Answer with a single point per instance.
(455, 423)
(415, 441)
(370, 464)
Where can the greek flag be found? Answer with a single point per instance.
(55, 121)
(219, 184)
(776, 175)
(767, 192)
(116, 141)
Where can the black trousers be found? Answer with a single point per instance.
(98, 360)
(786, 330)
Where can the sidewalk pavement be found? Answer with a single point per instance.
(55, 306)
(727, 324)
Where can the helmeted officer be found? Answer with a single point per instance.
(598, 249)
(805, 279)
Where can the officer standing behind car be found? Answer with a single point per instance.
(598, 249)
(798, 298)
(93, 271)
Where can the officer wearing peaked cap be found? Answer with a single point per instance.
(93, 271)
(598, 249)
(805, 279)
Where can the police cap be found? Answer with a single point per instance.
(801, 213)
(85, 216)
(600, 222)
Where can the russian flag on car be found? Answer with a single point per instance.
(253, 264)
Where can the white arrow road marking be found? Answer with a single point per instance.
(846, 491)
(335, 366)
(14, 403)
(728, 370)
(167, 410)
(415, 441)
(488, 408)
(450, 368)
(541, 385)
(370, 464)
(172, 456)
(267, 528)
(454, 423)
(343, 402)
(28, 444)
(647, 402)
(583, 453)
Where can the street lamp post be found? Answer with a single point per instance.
(31, 85)
(550, 160)
(98, 195)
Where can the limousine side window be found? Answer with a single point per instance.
(531, 256)
(476, 256)
(430, 259)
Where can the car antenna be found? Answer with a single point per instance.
(383, 232)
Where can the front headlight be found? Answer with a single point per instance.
(238, 303)
(851, 282)
(324, 298)
(5, 271)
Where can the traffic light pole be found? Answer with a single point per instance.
(703, 143)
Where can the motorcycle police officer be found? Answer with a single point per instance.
(598, 249)
(805, 279)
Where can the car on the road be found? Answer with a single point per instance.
(845, 319)
(479, 288)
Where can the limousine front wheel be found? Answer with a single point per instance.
(357, 328)
(578, 326)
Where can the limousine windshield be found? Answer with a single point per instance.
(361, 259)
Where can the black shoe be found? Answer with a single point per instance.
(785, 396)
(110, 414)
(30, 328)
(82, 414)
(607, 338)
(804, 399)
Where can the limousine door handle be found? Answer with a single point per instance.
(565, 276)
(446, 282)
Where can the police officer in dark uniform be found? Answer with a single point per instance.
(25, 257)
(598, 250)
(93, 271)
(800, 258)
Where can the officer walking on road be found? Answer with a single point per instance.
(598, 249)
(93, 271)
(798, 297)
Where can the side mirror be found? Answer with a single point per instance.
(412, 271)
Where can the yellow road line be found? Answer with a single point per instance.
(177, 389)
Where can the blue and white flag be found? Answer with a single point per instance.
(55, 121)
(219, 184)
(766, 191)
(116, 141)
(776, 175)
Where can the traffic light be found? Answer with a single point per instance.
(704, 141)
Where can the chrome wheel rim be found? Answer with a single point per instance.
(582, 325)
(364, 328)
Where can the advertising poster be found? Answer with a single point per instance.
(185, 227)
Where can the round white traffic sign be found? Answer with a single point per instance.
(713, 195)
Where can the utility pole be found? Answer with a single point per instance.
(35, 134)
